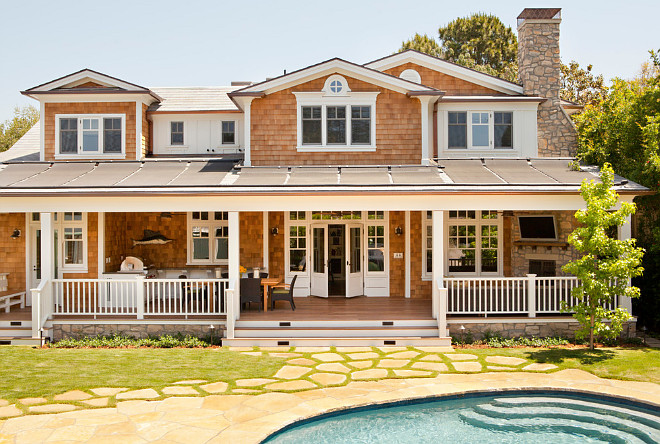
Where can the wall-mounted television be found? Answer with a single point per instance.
(541, 228)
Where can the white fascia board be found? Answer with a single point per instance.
(490, 106)
(339, 67)
(446, 68)
(350, 202)
(83, 98)
(87, 74)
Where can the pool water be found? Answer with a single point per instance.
(538, 418)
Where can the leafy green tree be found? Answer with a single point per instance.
(607, 263)
(13, 129)
(423, 43)
(580, 85)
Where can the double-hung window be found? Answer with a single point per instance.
(228, 132)
(176, 133)
(208, 237)
(297, 242)
(97, 135)
(479, 130)
(336, 125)
(473, 242)
(311, 125)
(376, 241)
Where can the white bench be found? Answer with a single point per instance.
(8, 300)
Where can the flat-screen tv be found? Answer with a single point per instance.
(537, 228)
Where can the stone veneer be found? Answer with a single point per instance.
(539, 70)
(62, 331)
(538, 328)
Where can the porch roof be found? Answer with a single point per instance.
(185, 176)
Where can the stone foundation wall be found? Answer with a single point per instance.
(139, 331)
(527, 329)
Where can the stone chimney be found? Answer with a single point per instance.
(539, 72)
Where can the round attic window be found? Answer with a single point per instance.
(336, 85)
(411, 75)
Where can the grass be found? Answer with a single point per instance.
(27, 372)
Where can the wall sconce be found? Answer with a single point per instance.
(274, 231)
(398, 231)
(16, 234)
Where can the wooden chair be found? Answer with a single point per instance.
(283, 293)
(251, 292)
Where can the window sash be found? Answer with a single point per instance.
(228, 132)
(112, 135)
(208, 237)
(479, 130)
(311, 125)
(360, 125)
(176, 133)
(336, 125)
(90, 134)
(375, 248)
(503, 129)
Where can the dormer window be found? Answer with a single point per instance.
(479, 130)
(89, 135)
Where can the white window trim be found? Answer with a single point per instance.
(87, 154)
(516, 124)
(288, 223)
(169, 133)
(236, 132)
(323, 100)
(212, 225)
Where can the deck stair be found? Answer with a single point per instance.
(337, 332)
(17, 332)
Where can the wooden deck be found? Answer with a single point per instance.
(337, 309)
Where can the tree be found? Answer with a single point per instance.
(607, 263)
(580, 85)
(13, 129)
(480, 41)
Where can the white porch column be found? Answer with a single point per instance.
(625, 232)
(426, 103)
(101, 244)
(407, 254)
(247, 104)
(440, 302)
(265, 240)
(234, 305)
(47, 265)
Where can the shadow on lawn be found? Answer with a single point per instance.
(583, 356)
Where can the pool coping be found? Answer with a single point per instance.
(627, 401)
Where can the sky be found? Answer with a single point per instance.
(211, 43)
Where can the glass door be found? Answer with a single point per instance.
(319, 277)
(354, 275)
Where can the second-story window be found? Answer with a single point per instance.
(479, 130)
(90, 135)
(176, 133)
(336, 125)
(503, 130)
(361, 125)
(229, 133)
(311, 125)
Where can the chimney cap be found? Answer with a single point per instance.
(540, 14)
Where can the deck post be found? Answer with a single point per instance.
(407, 255)
(625, 232)
(233, 296)
(439, 305)
(531, 295)
(266, 233)
(139, 296)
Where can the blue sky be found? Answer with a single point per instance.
(189, 43)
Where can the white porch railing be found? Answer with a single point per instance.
(139, 297)
(529, 295)
(42, 306)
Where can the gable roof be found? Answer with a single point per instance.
(446, 67)
(335, 65)
(189, 99)
(75, 83)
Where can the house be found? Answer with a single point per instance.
(409, 197)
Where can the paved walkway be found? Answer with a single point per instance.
(250, 418)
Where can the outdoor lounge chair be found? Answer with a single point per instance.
(283, 293)
(251, 291)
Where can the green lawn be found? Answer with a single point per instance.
(27, 372)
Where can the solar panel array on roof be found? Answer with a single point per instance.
(58, 174)
(468, 171)
(517, 171)
(364, 176)
(13, 173)
(106, 174)
(155, 173)
(203, 173)
(416, 176)
(313, 176)
(262, 176)
(560, 171)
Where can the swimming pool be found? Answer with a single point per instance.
(502, 418)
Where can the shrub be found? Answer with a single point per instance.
(124, 341)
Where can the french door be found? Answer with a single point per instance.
(354, 273)
(319, 276)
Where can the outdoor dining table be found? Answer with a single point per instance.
(268, 282)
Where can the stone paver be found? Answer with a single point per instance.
(215, 387)
(32, 401)
(536, 367)
(436, 349)
(352, 349)
(391, 348)
(328, 357)
(73, 395)
(252, 382)
(275, 349)
(291, 372)
(364, 355)
(284, 355)
(301, 361)
(139, 394)
(467, 366)
(97, 402)
(180, 390)
(328, 378)
(431, 358)
(3, 402)
(312, 349)
(411, 373)
(500, 368)
(361, 364)
(461, 356)
(107, 391)
(52, 408)
(393, 363)
(333, 367)
(369, 374)
(403, 355)
(433, 366)
(10, 410)
(250, 418)
(505, 360)
(245, 391)
(291, 385)
(190, 382)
